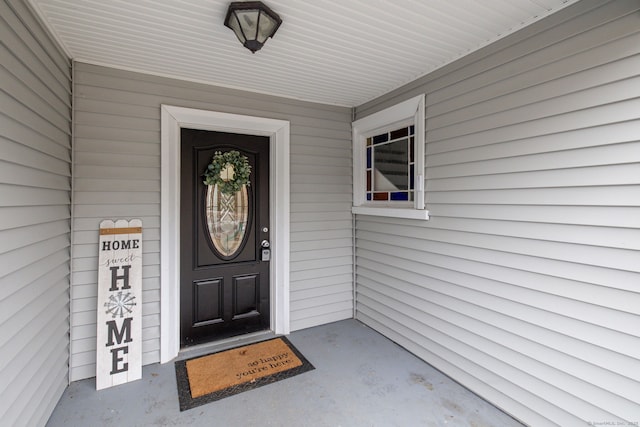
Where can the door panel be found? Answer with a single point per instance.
(224, 289)
(206, 293)
(246, 292)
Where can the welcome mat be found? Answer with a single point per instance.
(215, 376)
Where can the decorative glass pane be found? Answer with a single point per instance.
(400, 195)
(411, 150)
(227, 216)
(400, 133)
(390, 165)
(378, 139)
(411, 178)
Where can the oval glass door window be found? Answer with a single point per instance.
(227, 216)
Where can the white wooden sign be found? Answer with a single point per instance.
(119, 334)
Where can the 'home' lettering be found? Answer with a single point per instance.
(120, 244)
(124, 277)
(112, 331)
(115, 360)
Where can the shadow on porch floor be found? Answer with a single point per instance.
(361, 379)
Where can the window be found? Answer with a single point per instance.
(390, 165)
(388, 162)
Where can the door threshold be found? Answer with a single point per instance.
(224, 344)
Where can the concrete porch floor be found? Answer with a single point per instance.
(361, 379)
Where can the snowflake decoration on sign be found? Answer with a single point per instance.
(120, 304)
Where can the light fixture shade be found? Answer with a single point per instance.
(253, 22)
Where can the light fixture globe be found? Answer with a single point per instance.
(253, 22)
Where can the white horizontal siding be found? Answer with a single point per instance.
(35, 184)
(117, 174)
(523, 285)
(413, 38)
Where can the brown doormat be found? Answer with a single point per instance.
(215, 376)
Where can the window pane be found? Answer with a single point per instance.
(391, 166)
(411, 145)
(411, 179)
(381, 138)
(399, 133)
(400, 195)
(227, 216)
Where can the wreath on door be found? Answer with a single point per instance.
(229, 171)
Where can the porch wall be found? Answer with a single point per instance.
(524, 285)
(117, 175)
(35, 170)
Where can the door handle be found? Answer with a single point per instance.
(265, 252)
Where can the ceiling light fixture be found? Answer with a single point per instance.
(253, 22)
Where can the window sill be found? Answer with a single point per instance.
(422, 214)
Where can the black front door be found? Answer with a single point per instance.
(224, 289)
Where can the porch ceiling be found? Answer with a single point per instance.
(341, 52)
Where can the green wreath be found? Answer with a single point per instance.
(229, 171)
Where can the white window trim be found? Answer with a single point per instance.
(414, 110)
(172, 119)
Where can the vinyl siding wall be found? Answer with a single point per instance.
(35, 171)
(524, 285)
(117, 175)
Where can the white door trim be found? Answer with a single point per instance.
(172, 119)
